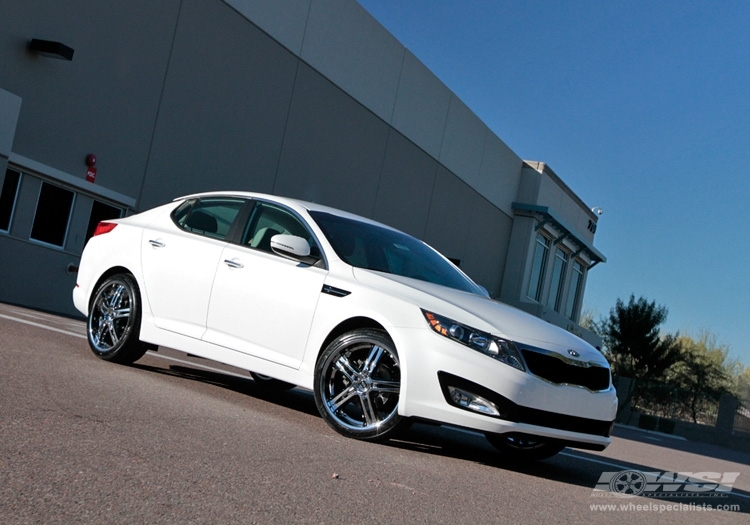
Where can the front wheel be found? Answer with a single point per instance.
(357, 385)
(523, 448)
(115, 320)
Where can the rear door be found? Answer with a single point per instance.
(180, 256)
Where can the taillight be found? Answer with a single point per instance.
(104, 227)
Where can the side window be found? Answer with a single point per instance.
(268, 220)
(208, 217)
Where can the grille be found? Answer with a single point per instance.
(556, 370)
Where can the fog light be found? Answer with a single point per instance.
(473, 402)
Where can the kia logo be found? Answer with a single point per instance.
(574, 353)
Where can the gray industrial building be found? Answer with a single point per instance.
(311, 99)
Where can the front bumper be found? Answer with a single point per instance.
(526, 404)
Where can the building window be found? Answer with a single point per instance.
(539, 267)
(558, 280)
(52, 215)
(101, 212)
(574, 291)
(8, 198)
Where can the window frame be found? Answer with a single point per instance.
(71, 209)
(14, 200)
(559, 274)
(243, 229)
(189, 206)
(575, 290)
(537, 277)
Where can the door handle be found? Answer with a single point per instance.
(233, 264)
(156, 243)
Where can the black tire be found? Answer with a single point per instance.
(524, 448)
(270, 383)
(357, 385)
(115, 321)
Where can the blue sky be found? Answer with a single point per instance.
(643, 108)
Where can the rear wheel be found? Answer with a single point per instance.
(523, 448)
(115, 320)
(357, 385)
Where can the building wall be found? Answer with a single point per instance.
(310, 99)
(546, 206)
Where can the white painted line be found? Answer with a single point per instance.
(151, 353)
(660, 435)
(592, 460)
(39, 325)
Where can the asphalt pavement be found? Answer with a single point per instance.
(177, 439)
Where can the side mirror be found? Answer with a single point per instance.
(292, 247)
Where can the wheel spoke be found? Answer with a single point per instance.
(379, 385)
(114, 297)
(368, 410)
(99, 332)
(112, 333)
(343, 365)
(342, 398)
(372, 360)
(121, 313)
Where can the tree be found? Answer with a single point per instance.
(705, 371)
(633, 342)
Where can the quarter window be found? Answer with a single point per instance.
(8, 198)
(539, 267)
(52, 215)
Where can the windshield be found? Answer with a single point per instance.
(376, 248)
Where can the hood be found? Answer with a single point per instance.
(498, 318)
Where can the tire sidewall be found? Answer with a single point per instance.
(128, 349)
(379, 337)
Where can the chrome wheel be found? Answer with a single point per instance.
(357, 385)
(114, 321)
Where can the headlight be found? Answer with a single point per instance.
(501, 349)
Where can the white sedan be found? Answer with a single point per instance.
(381, 327)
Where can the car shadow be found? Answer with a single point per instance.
(576, 467)
(294, 399)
